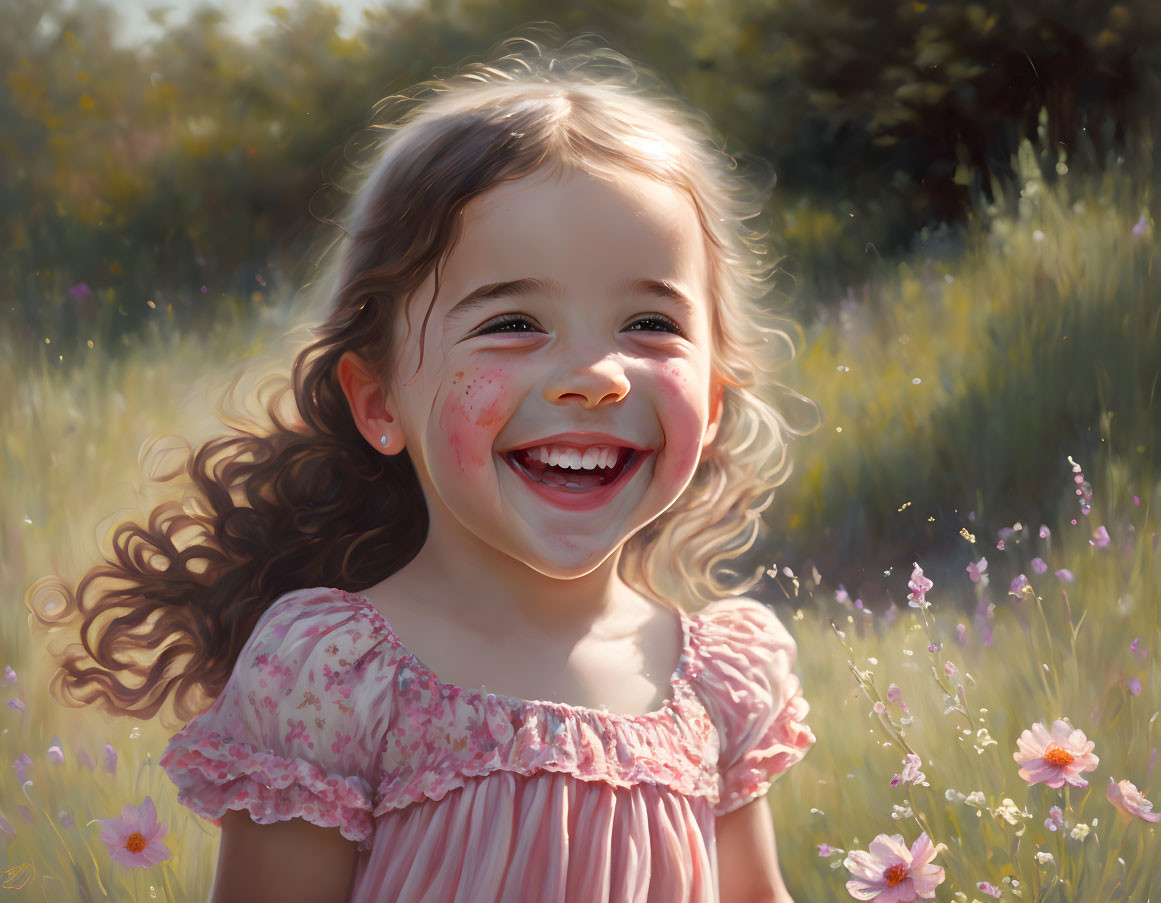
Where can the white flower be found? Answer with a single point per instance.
(976, 799)
(1009, 811)
(1043, 857)
(903, 811)
(1080, 832)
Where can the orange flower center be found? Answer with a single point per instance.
(895, 874)
(135, 842)
(1058, 755)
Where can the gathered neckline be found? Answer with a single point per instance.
(676, 679)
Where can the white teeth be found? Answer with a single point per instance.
(603, 456)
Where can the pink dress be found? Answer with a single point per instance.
(454, 794)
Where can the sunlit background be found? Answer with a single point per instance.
(964, 217)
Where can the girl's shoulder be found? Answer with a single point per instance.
(303, 617)
(314, 642)
(738, 625)
(744, 674)
(742, 659)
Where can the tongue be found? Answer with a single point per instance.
(582, 479)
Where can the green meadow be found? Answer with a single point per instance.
(987, 390)
(985, 370)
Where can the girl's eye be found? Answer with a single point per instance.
(665, 323)
(499, 324)
(502, 324)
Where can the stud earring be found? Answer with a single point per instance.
(383, 441)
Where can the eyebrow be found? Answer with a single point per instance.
(532, 285)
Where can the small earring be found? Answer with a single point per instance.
(383, 441)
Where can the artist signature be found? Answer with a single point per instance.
(17, 876)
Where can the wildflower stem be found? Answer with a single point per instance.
(1110, 858)
(1051, 649)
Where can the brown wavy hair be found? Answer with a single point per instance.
(305, 501)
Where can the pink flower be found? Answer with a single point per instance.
(56, 755)
(988, 888)
(1056, 758)
(1044, 531)
(1127, 798)
(21, 766)
(16, 704)
(890, 873)
(879, 707)
(1055, 819)
(1100, 538)
(1066, 575)
(9, 675)
(110, 759)
(919, 586)
(911, 773)
(1135, 686)
(134, 839)
(949, 668)
(960, 632)
(976, 570)
(1039, 566)
(825, 849)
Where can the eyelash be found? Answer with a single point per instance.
(509, 319)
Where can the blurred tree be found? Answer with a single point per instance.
(145, 173)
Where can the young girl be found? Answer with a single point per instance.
(445, 637)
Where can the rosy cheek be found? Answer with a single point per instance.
(469, 412)
(680, 421)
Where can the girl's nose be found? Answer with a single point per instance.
(601, 382)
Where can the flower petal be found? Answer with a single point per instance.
(889, 849)
(865, 890)
(862, 864)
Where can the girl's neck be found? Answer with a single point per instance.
(502, 594)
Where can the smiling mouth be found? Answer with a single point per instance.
(567, 479)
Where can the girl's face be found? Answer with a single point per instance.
(573, 315)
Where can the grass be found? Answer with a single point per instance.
(1064, 650)
(981, 442)
(963, 382)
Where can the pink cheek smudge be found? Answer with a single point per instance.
(466, 417)
(674, 383)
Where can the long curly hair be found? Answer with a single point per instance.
(304, 501)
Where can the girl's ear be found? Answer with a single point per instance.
(715, 418)
(369, 406)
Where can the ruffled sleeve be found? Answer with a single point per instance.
(752, 695)
(293, 734)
